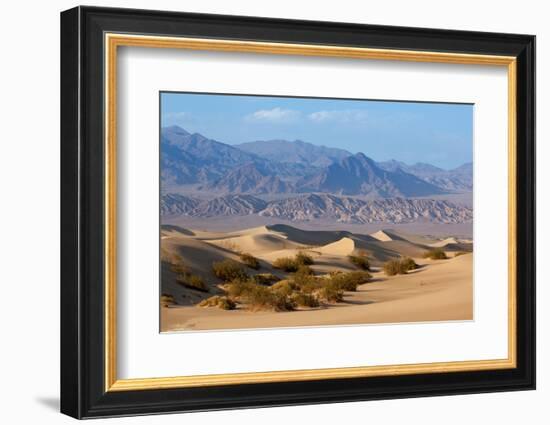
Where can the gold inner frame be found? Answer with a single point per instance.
(113, 41)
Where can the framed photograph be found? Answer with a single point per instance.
(261, 212)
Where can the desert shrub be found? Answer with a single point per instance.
(330, 293)
(399, 266)
(228, 270)
(360, 261)
(349, 281)
(304, 280)
(304, 300)
(459, 253)
(304, 271)
(265, 278)
(223, 303)
(303, 259)
(286, 263)
(166, 300)
(393, 267)
(237, 287)
(226, 303)
(408, 264)
(177, 264)
(284, 287)
(264, 299)
(258, 297)
(435, 254)
(192, 281)
(250, 261)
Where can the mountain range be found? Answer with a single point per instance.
(284, 167)
(311, 207)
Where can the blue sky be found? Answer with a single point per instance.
(439, 134)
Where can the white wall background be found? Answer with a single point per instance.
(29, 216)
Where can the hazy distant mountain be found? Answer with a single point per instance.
(352, 210)
(176, 204)
(313, 207)
(191, 158)
(278, 166)
(229, 205)
(298, 152)
(457, 179)
(358, 174)
(250, 178)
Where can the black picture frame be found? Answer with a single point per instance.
(83, 392)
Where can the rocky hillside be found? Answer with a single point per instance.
(313, 207)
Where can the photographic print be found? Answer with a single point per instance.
(292, 212)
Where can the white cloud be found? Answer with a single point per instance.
(275, 115)
(177, 118)
(341, 116)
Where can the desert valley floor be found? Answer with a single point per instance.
(438, 290)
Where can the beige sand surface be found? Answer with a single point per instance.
(442, 290)
(438, 290)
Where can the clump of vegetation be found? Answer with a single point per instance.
(330, 293)
(166, 300)
(192, 281)
(304, 300)
(435, 254)
(221, 302)
(265, 278)
(258, 297)
(303, 259)
(361, 261)
(177, 264)
(286, 264)
(185, 277)
(289, 264)
(228, 270)
(304, 280)
(408, 264)
(349, 281)
(399, 266)
(250, 261)
(284, 287)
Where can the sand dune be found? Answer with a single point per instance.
(383, 236)
(344, 247)
(256, 243)
(440, 290)
(444, 242)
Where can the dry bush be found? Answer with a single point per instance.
(408, 264)
(284, 287)
(435, 254)
(349, 281)
(265, 278)
(330, 293)
(250, 261)
(286, 263)
(399, 266)
(305, 281)
(303, 259)
(166, 300)
(192, 281)
(304, 300)
(360, 261)
(237, 287)
(392, 267)
(228, 270)
(223, 303)
(177, 265)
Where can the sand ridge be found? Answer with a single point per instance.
(438, 290)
